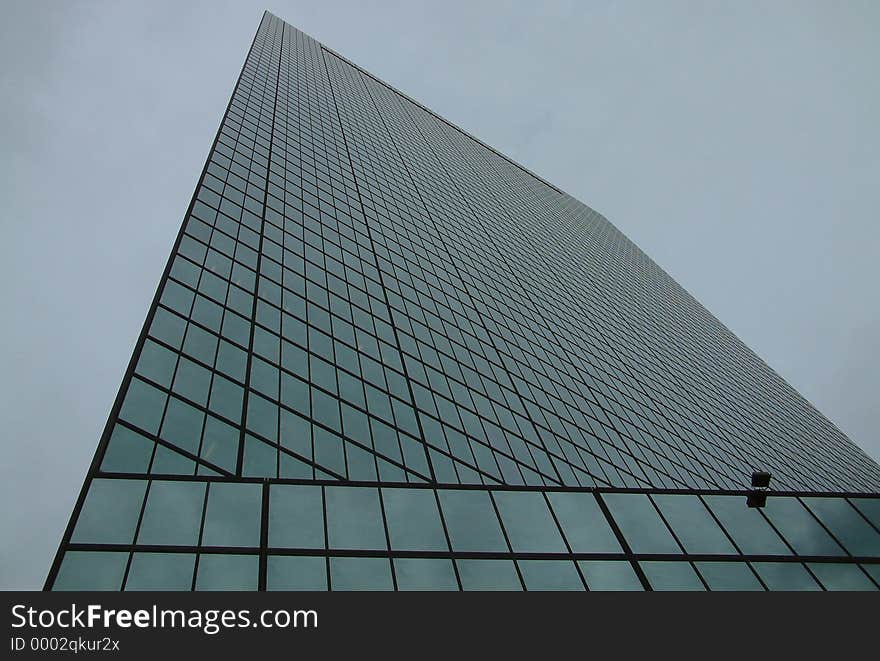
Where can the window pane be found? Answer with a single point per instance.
(413, 520)
(173, 513)
(471, 521)
(360, 573)
(488, 575)
(671, 576)
(227, 572)
(127, 452)
(873, 572)
(425, 574)
(693, 525)
(747, 526)
(91, 570)
(847, 525)
(233, 515)
(161, 571)
(354, 519)
(528, 522)
(728, 576)
(292, 572)
(841, 576)
(609, 575)
(785, 576)
(110, 512)
(640, 523)
(296, 516)
(143, 406)
(583, 523)
(870, 507)
(550, 575)
(799, 527)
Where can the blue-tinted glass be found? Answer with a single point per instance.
(227, 572)
(799, 527)
(173, 513)
(785, 576)
(471, 521)
(483, 575)
(528, 522)
(870, 507)
(143, 406)
(182, 425)
(360, 574)
(873, 571)
(354, 518)
(640, 524)
(840, 576)
(413, 520)
(296, 516)
(425, 574)
(609, 575)
(161, 571)
(233, 515)
(728, 576)
(127, 452)
(692, 524)
(748, 528)
(550, 575)
(583, 523)
(294, 572)
(169, 462)
(91, 570)
(110, 512)
(671, 576)
(848, 526)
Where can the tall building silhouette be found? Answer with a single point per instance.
(382, 355)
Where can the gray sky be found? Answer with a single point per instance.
(736, 143)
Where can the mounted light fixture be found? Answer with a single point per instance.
(757, 495)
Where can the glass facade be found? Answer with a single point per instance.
(384, 356)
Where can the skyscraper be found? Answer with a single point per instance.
(382, 355)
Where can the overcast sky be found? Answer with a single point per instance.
(737, 143)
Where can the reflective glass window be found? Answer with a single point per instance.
(728, 576)
(870, 507)
(173, 513)
(847, 525)
(127, 452)
(483, 575)
(693, 525)
(671, 576)
(295, 572)
(233, 514)
(221, 571)
(296, 516)
(161, 571)
(110, 512)
(799, 527)
(610, 575)
(354, 518)
(528, 522)
(785, 576)
(583, 523)
(640, 524)
(425, 574)
(360, 574)
(91, 570)
(748, 528)
(471, 521)
(841, 576)
(413, 520)
(143, 406)
(550, 575)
